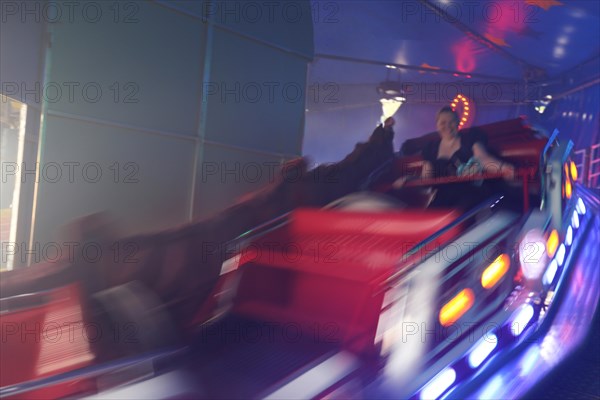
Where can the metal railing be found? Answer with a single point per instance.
(588, 165)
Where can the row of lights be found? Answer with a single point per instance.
(463, 301)
(452, 311)
(519, 319)
(584, 116)
(464, 104)
(556, 250)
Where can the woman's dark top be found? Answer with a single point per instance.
(462, 195)
(448, 167)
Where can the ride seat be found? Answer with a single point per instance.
(333, 276)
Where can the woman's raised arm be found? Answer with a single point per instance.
(490, 163)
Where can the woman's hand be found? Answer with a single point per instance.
(399, 183)
(471, 168)
(508, 171)
(389, 122)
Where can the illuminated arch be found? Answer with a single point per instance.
(465, 109)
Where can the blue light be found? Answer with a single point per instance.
(575, 220)
(491, 391)
(482, 349)
(560, 255)
(520, 319)
(569, 236)
(439, 384)
(529, 359)
(550, 272)
(581, 206)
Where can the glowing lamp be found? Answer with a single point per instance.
(575, 220)
(552, 243)
(550, 272)
(439, 384)
(495, 271)
(482, 350)
(532, 254)
(569, 236)
(390, 106)
(457, 307)
(580, 206)
(560, 255)
(521, 318)
(573, 171)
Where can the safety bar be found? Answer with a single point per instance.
(524, 173)
(521, 172)
(377, 172)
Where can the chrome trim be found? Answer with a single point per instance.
(257, 231)
(543, 170)
(95, 371)
(553, 199)
(38, 298)
(570, 146)
(317, 379)
(463, 218)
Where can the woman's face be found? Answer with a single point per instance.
(446, 125)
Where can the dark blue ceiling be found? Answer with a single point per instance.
(504, 38)
(504, 55)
